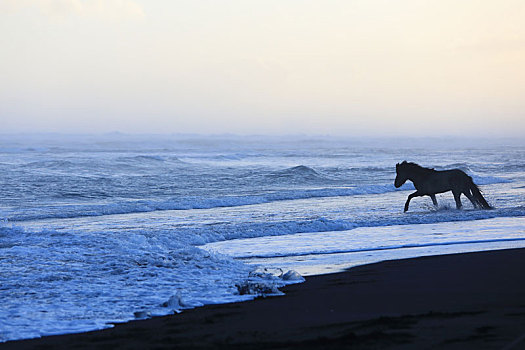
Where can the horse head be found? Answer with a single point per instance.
(401, 174)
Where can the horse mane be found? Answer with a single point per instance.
(417, 167)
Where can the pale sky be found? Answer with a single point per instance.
(352, 67)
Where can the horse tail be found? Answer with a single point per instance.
(478, 197)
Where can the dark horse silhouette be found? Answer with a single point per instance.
(428, 182)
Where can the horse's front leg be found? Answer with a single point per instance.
(410, 196)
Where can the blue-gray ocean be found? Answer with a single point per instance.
(102, 229)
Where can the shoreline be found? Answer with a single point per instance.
(458, 301)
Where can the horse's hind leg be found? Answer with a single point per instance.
(434, 200)
(471, 198)
(457, 199)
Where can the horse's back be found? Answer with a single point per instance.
(456, 178)
(452, 172)
(444, 180)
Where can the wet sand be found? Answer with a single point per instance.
(461, 301)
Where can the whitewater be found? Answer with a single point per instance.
(96, 230)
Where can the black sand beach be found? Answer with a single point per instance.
(462, 301)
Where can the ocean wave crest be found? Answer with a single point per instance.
(49, 164)
(300, 172)
(192, 202)
(149, 159)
